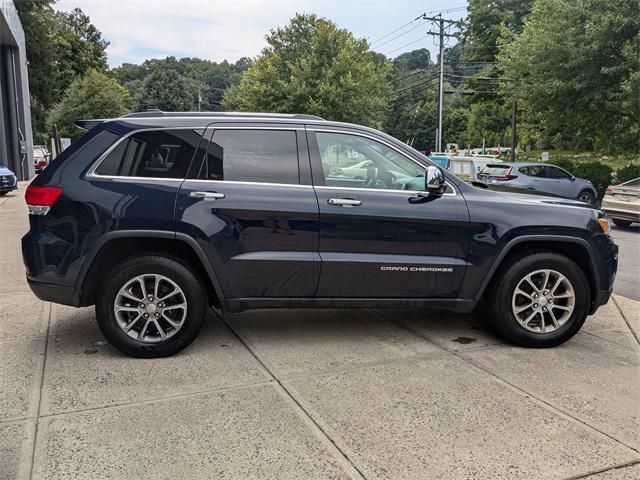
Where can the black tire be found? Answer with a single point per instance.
(621, 223)
(190, 284)
(2, 194)
(586, 196)
(507, 278)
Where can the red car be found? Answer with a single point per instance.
(41, 158)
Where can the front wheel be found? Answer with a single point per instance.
(151, 306)
(587, 196)
(539, 300)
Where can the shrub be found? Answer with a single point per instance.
(627, 173)
(597, 173)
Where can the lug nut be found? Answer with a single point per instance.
(161, 304)
(535, 305)
(551, 300)
(142, 305)
(157, 315)
(535, 295)
(146, 315)
(150, 298)
(546, 292)
(544, 309)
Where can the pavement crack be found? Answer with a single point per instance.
(290, 395)
(44, 368)
(604, 470)
(462, 356)
(626, 320)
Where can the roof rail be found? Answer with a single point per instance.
(160, 113)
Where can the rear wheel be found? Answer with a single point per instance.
(151, 306)
(587, 196)
(621, 223)
(539, 300)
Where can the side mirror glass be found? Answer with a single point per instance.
(434, 180)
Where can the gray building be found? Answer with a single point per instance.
(16, 142)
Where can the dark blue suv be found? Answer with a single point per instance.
(156, 217)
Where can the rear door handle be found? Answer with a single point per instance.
(344, 202)
(207, 195)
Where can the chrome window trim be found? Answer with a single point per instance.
(392, 147)
(388, 190)
(240, 182)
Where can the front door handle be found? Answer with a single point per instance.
(207, 195)
(344, 202)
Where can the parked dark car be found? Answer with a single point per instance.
(155, 217)
(539, 177)
(41, 158)
(8, 180)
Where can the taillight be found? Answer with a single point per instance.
(608, 191)
(508, 176)
(41, 199)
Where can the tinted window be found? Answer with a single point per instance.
(158, 153)
(555, 172)
(355, 161)
(265, 156)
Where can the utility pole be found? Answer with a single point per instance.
(514, 112)
(441, 35)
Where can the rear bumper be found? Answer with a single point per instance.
(621, 214)
(55, 293)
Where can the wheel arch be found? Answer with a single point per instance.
(575, 248)
(116, 246)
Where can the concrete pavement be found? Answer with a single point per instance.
(312, 394)
(627, 281)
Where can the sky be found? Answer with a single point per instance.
(216, 30)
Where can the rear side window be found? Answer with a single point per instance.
(158, 153)
(264, 156)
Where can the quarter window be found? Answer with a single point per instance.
(355, 161)
(158, 153)
(264, 156)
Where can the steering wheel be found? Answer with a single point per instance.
(372, 177)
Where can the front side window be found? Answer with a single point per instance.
(157, 153)
(355, 161)
(558, 173)
(263, 156)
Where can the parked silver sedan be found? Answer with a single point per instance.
(621, 203)
(539, 177)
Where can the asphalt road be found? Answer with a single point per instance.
(628, 280)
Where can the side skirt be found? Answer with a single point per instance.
(235, 305)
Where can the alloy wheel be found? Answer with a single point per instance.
(543, 301)
(150, 308)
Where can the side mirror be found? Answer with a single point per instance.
(434, 180)
(573, 179)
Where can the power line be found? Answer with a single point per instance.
(398, 36)
(406, 45)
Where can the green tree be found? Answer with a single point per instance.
(167, 90)
(79, 48)
(94, 96)
(39, 23)
(578, 69)
(313, 67)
